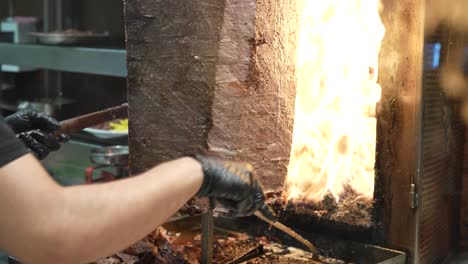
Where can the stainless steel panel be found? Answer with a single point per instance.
(110, 62)
(440, 136)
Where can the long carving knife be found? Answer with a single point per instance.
(77, 123)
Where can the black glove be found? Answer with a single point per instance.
(35, 130)
(232, 184)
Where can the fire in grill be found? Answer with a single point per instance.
(335, 128)
(331, 169)
(241, 80)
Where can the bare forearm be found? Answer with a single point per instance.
(86, 222)
(128, 209)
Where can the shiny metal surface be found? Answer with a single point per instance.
(101, 61)
(113, 156)
(400, 75)
(60, 38)
(12, 260)
(349, 251)
(207, 237)
(441, 137)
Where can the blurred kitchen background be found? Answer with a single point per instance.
(78, 69)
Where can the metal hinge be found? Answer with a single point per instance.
(414, 197)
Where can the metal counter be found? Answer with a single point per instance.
(101, 61)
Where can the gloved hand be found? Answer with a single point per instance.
(232, 184)
(35, 130)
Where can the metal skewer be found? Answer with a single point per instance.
(208, 234)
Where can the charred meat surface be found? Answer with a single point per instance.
(163, 247)
(349, 210)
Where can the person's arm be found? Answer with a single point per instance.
(43, 222)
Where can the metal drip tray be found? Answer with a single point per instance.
(348, 251)
(342, 250)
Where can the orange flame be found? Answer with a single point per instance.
(335, 126)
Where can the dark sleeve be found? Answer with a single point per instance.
(11, 148)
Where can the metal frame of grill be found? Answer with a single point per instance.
(420, 140)
(419, 171)
(440, 160)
